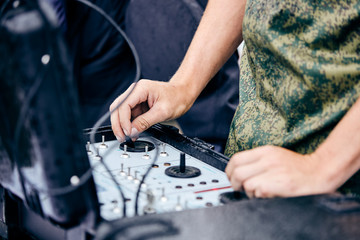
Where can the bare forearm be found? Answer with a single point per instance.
(340, 152)
(216, 39)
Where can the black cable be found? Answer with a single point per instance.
(85, 177)
(108, 114)
(18, 127)
(143, 179)
(88, 174)
(25, 107)
(23, 111)
(3, 7)
(20, 122)
(136, 58)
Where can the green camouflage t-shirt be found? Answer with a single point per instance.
(299, 73)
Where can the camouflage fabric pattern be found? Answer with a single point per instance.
(299, 73)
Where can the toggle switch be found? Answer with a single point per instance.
(125, 154)
(122, 172)
(103, 145)
(89, 152)
(163, 153)
(146, 155)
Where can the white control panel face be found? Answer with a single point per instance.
(160, 192)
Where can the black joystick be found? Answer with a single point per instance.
(129, 142)
(137, 146)
(182, 163)
(182, 171)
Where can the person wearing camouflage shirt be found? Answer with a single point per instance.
(300, 73)
(296, 129)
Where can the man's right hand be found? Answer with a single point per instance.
(217, 37)
(150, 102)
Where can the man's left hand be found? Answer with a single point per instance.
(271, 171)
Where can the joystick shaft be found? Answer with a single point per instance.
(182, 162)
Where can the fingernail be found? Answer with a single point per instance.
(120, 139)
(134, 133)
(126, 132)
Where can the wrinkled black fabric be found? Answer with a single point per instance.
(104, 66)
(59, 7)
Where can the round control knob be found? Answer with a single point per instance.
(137, 146)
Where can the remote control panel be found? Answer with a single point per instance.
(177, 181)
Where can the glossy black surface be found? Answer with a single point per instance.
(257, 219)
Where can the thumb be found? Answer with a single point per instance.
(144, 121)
